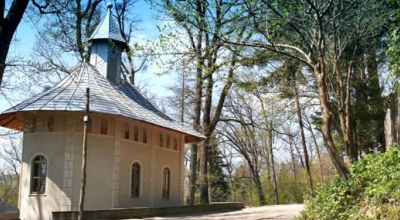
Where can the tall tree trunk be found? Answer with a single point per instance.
(343, 103)
(353, 149)
(8, 26)
(318, 153)
(182, 101)
(203, 174)
(259, 188)
(292, 157)
(266, 158)
(303, 138)
(271, 153)
(337, 160)
(375, 95)
(78, 31)
(196, 122)
(269, 127)
(205, 148)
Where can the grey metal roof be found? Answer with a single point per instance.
(122, 99)
(107, 28)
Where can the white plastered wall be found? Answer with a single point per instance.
(110, 158)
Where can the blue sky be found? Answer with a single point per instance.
(25, 38)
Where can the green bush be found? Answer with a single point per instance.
(373, 192)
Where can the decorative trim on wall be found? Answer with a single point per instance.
(68, 175)
(117, 158)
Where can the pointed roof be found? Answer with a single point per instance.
(107, 28)
(105, 97)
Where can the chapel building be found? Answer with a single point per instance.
(135, 154)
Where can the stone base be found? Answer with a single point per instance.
(9, 215)
(127, 213)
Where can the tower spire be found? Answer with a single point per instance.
(108, 28)
(107, 45)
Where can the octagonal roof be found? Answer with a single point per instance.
(121, 99)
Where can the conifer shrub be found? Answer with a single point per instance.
(373, 192)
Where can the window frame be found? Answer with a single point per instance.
(33, 125)
(136, 133)
(168, 141)
(175, 145)
(126, 131)
(161, 140)
(139, 182)
(51, 123)
(166, 183)
(144, 140)
(32, 176)
(106, 124)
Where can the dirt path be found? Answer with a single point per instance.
(279, 212)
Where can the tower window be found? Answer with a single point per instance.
(135, 180)
(126, 131)
(50, 124)
(104, 126)
(166, 183)
(38, 175)
(136, 134)
(161, 140)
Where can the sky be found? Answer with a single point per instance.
(25, 38)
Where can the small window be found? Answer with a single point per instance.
(126, 131)
(144, 136)
(135, 181)
(175, 143)
(32, 126)
(136, 134)
(50, 124)
(161, 140)
(104, 126)
(166, 183)
(38, 175)
(168, 141)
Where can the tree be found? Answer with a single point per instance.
(218, 185)
(129, 70)
(307, 31)
(10, 171)
(201, 22)
(8, 25)
(241, 133)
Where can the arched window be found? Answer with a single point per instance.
(136, 134)
(166, 183)
(126, 131)
(168, 141)
(144, 136)
(38, 175)
(175, 143)
(135, 180)
(104, 126)
(50, 124)
(161, 140)
(32, 126)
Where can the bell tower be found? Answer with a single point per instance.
(106, 46)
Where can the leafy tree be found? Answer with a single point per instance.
(394, 37)
(317, 33)
(199, 25)
(220, 190)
